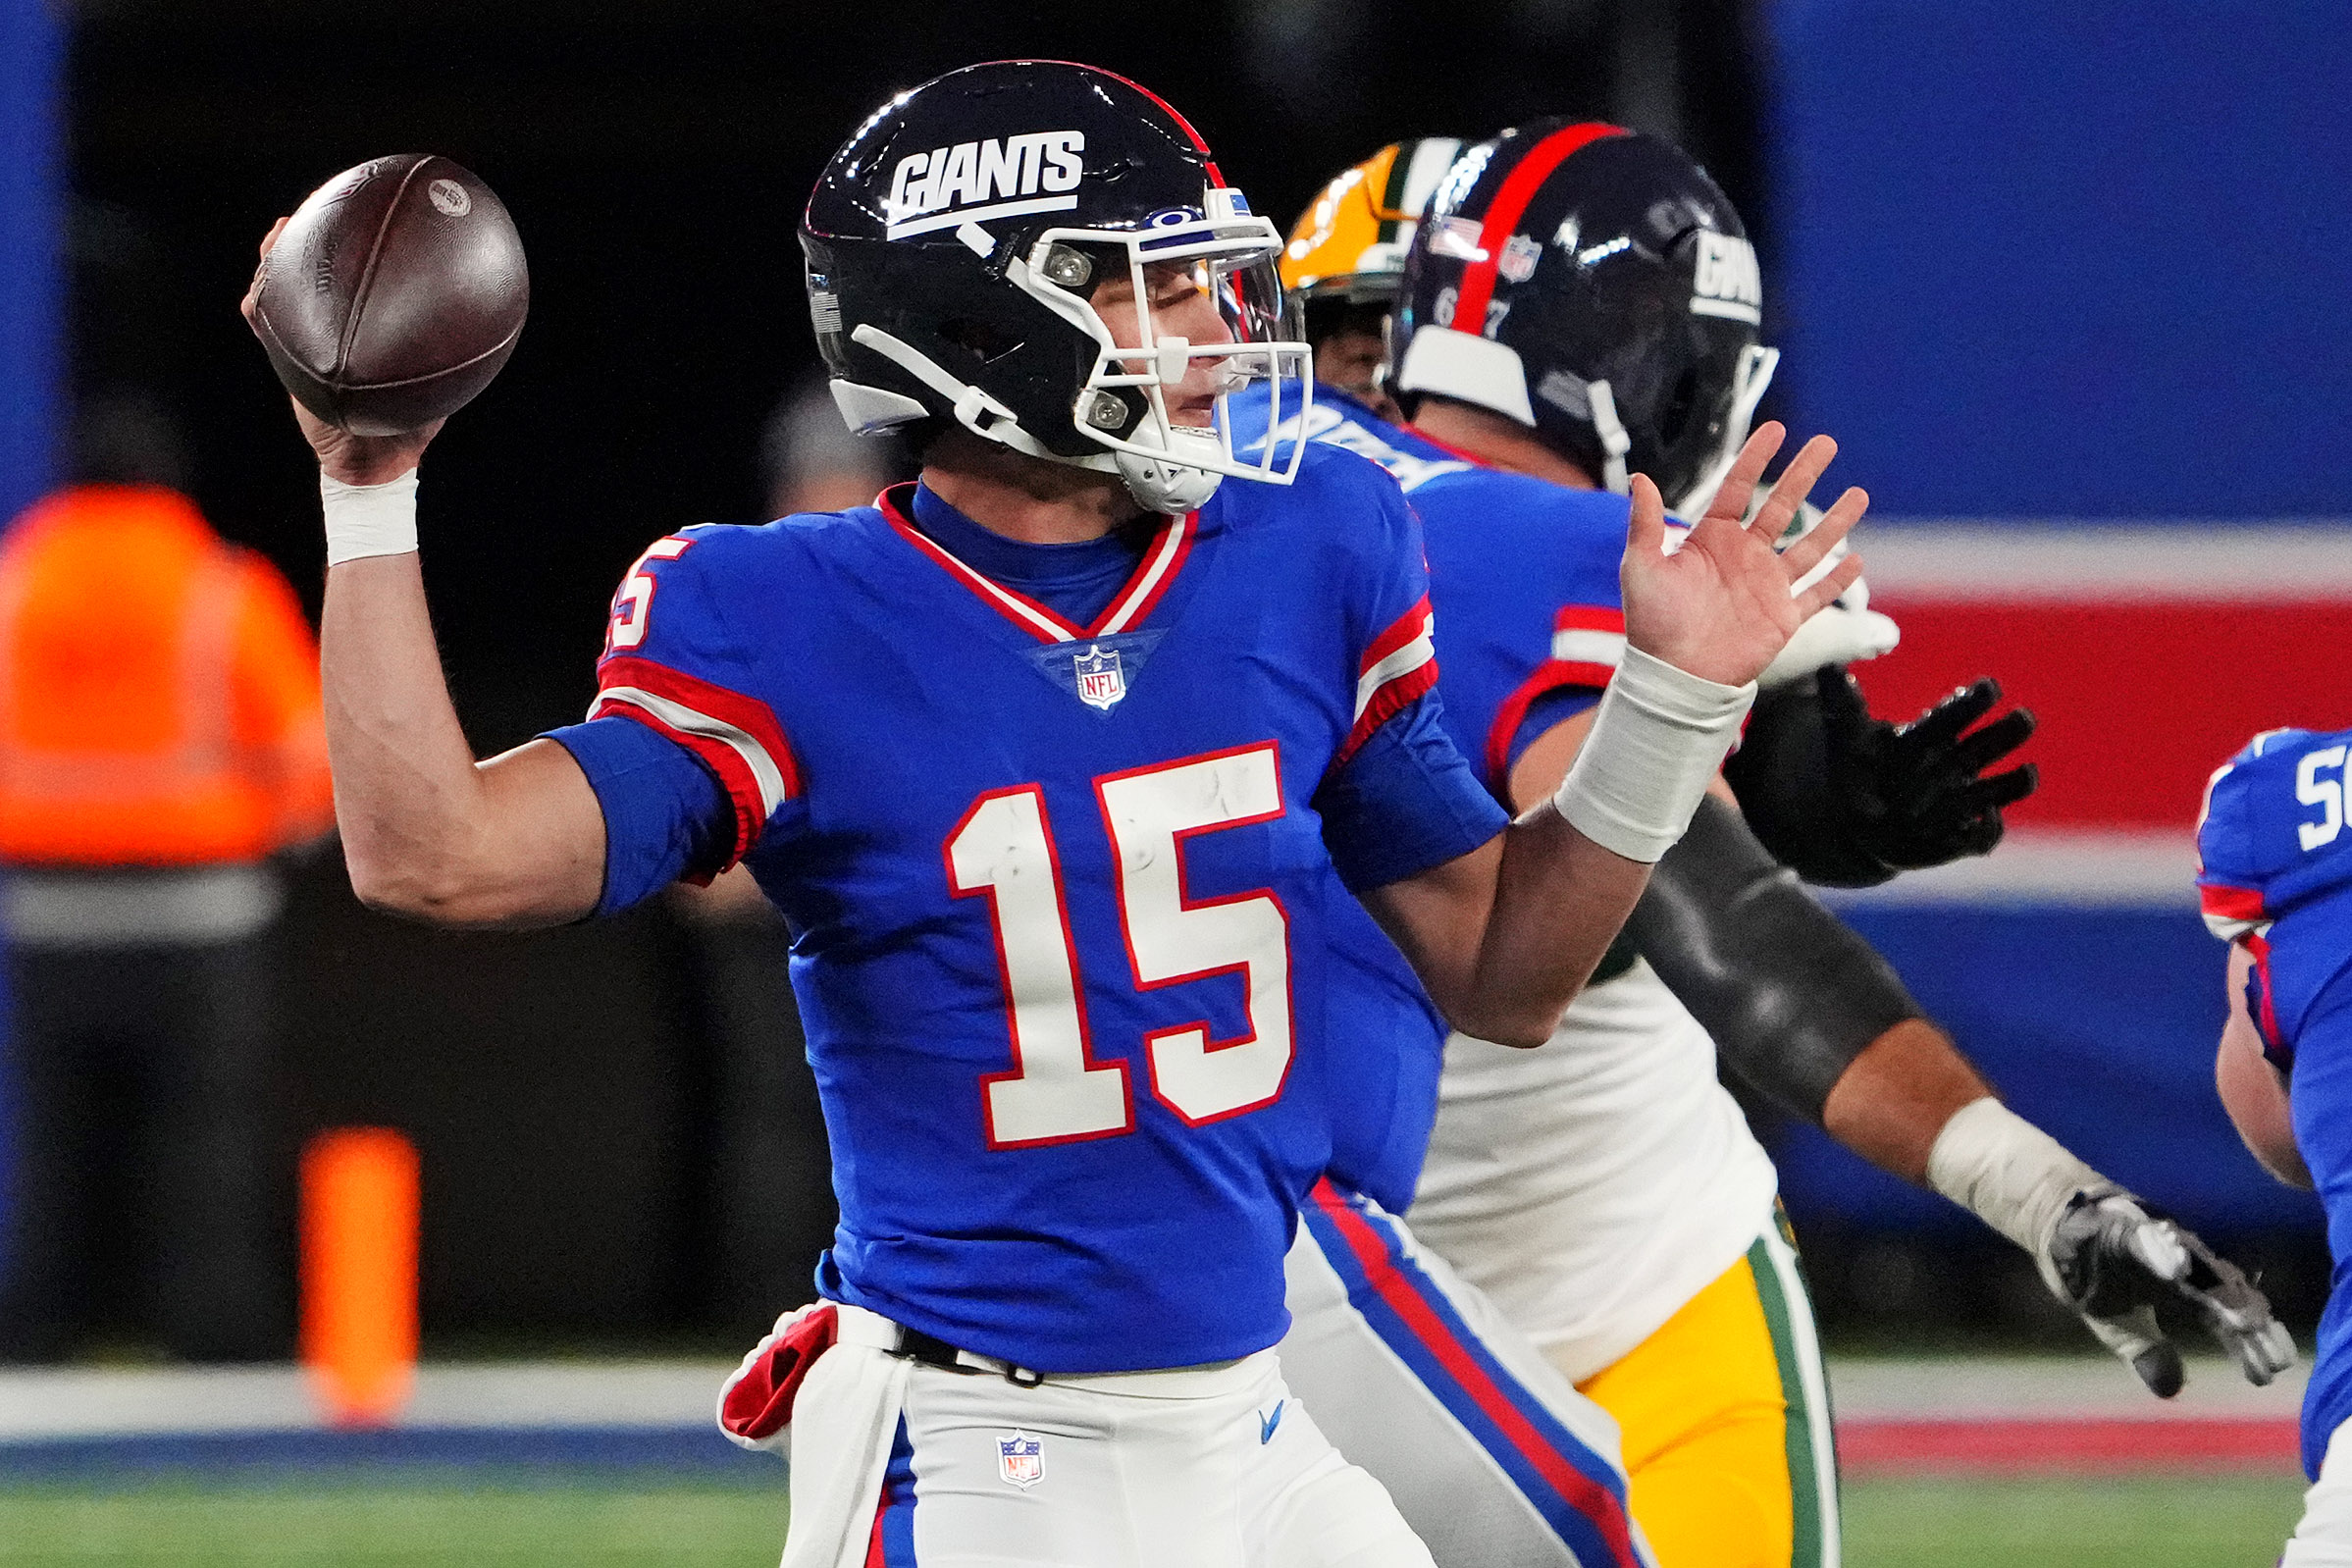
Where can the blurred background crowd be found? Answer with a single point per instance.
(2066, 283)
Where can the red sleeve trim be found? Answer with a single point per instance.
(745, 714)
(1590, 618)
(2230, 903)
(736, 736)
(1392, 699)
(1552, 676)
(1411, 624)
(734, 774)
(2265, 1013)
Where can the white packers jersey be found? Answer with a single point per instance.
(1592, 1186)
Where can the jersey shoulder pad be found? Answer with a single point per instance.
(1341, 501)
(1487, 521)
(2267, 813)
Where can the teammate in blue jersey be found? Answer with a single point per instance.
(1049, 760)
(1604, 1192)
(2274, 880)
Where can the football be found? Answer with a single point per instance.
(394, 295)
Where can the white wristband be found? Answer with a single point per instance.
(2008, 1173)
(368, 520)
(1658, 737)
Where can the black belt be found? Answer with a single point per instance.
(933, 1351)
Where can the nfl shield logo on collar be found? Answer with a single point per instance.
(1100, 681)
(1019, 1458)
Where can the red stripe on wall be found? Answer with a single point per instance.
(2098, 1448)
(2138, 701)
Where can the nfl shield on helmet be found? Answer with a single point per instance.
(953, 245)
(1594, 285)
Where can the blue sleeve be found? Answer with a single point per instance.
(1405, 802)
(674, 664)
(2232, 873)
(666, 815)
(2226, 847)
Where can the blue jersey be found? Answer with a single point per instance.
(1058, 890)
(1531, 626)
(2274, 873)
(1523, 570)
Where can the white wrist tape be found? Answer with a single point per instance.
(1658, 738)
(368, 520)
(2008, 1172)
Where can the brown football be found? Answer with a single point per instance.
(395, 295)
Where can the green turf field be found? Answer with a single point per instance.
(444, 1521)
(2167, 1523)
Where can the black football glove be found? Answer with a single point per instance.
(1847, 799)
(2113, 1258)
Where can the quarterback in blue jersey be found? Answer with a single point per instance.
(1050, 762)
(2274, 881)
(1602, 1198)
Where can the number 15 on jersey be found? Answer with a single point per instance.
(1056, 1091)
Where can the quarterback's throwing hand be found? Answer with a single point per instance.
(1724, 604)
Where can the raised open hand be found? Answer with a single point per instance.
(1724, 604)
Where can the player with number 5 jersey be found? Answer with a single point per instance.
(2274, 881)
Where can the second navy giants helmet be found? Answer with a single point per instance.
(1594, 285)
(954, 244)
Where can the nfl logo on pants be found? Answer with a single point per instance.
(1020, 1459)
(1101, 684)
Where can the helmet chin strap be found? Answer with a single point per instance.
(1175, 487)
(1749, 382)
(1172, 486)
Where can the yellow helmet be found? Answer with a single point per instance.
(1351, 243)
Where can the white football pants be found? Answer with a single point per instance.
(2323, 1540)
(1207, 1467)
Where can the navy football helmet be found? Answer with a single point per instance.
(1595, 286)
(952, 244)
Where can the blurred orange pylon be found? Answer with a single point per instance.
(360, 1198)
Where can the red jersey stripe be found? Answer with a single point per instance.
(1552, 676)
(1024, 611)
(1584, 1495)
(1589, 619)
(1411, 624)
(1158, 569)
(734, 773)
(2230, 903)
(755, 718)
(1161, 559)
(1392, 698)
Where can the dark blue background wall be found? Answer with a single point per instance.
(2079, 260)
(2099, 1025)
(30, 327)
(29, 313)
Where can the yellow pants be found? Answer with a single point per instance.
(1725, 1417)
